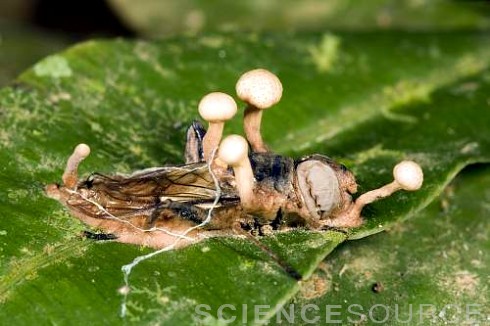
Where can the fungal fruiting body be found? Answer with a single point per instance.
(234, 152)
(260, 89)
(225, 187)
(216, 108)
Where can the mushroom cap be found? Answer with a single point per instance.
(233, 150)
(217, 106)
(409, 175)
(260, 88)
(82, 150)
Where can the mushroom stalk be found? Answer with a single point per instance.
(374, 195)
(408, 176)
(234, 152)
(212, 138)
(70, 176)
(216, 108)
(251, 124)
(260, 89)
(245, 182)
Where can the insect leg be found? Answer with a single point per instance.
(98, 236)
(333, 228)
(179, 210)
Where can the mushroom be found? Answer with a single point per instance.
(215, 108)
(408, 176)
(70, 176)
(260, 89)
(234, 152)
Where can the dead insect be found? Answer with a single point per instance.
(223, 187)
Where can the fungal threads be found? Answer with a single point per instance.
(125, 290)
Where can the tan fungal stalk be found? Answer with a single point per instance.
(408, 176)
(260, 89)
(70, 176)
(234, 152)
(215, 108)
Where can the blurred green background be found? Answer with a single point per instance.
(31, 29)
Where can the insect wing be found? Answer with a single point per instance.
(190, 183)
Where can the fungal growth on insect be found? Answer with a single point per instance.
(260, 89)
(212, 194)
(408, 176)
(234, 152)
(215, 108)
(70, 176)
(224, 188)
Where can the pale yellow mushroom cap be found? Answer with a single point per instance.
(408, 175)
(260, 88)
(233, 150)
(217, 106)
(82, 150)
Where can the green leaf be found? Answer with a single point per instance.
(368, 100)
(430, 270)
(162, 18)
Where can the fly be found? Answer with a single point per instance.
(227, 186)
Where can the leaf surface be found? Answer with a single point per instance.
(369, 101)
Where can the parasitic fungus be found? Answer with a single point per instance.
(408, 176)
(234, 152)
(215, 108)
(70, 176)
(260, 89)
